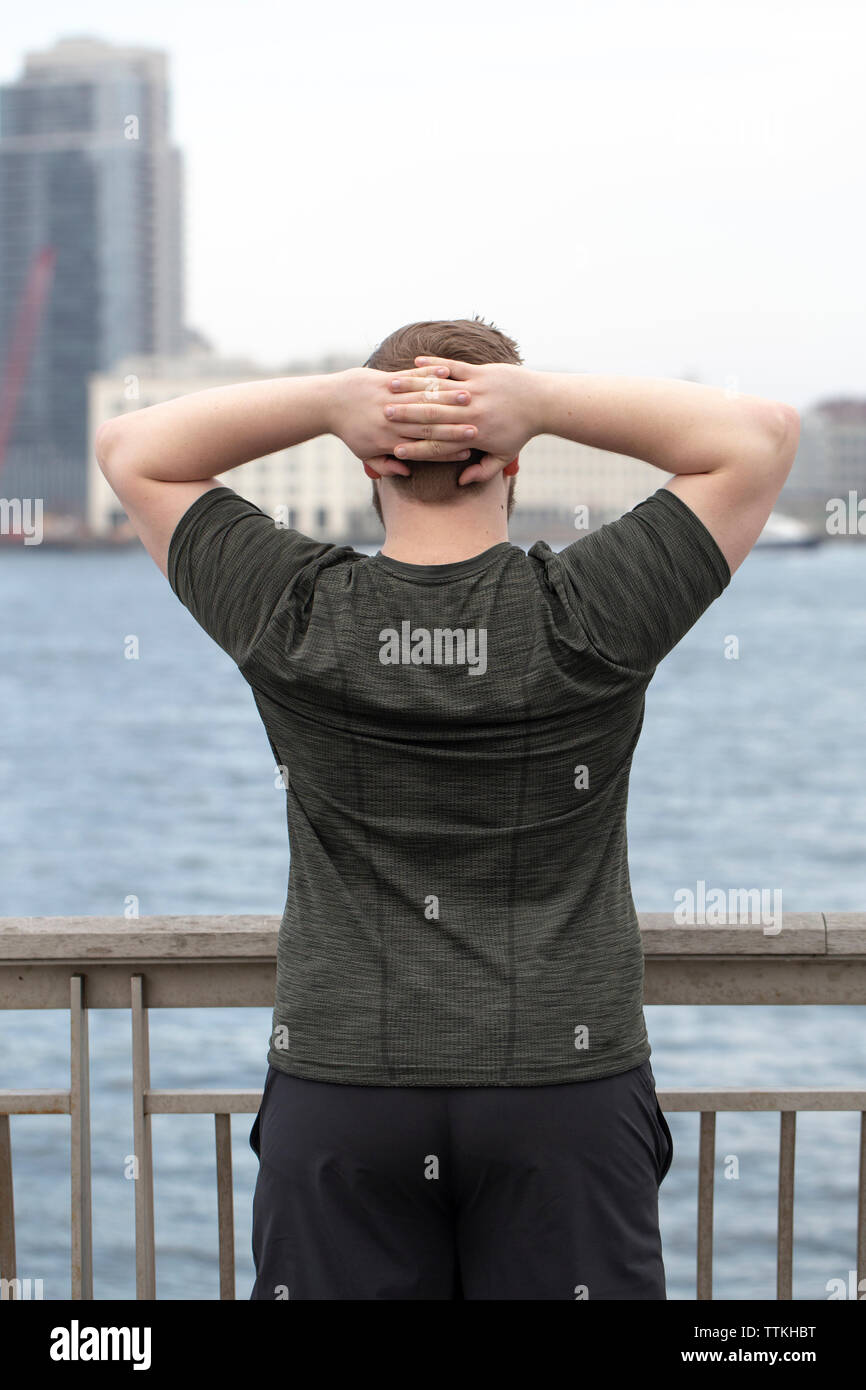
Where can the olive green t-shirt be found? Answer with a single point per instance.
(456, 742)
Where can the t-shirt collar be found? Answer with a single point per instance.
(455, 569)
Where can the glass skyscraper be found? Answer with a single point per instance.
(86, 168)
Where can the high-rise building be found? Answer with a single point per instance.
(832, 455)
(87, 168)
(830, 467)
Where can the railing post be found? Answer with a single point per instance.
(785, 1243)
(225, 1205)
(7, 1211)
(861, 1209)
(79, 1141)
(706, 1191)
(145, 1263)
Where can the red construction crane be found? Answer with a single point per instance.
(23, 337)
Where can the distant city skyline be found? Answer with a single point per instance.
(665, 190)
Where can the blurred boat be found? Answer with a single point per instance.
(782, 532)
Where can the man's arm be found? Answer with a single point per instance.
(160, 459)
(731, 454)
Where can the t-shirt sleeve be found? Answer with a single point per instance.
(231, 565)
(636, 585)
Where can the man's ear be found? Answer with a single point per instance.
(386, 466)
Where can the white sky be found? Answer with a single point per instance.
(657, 187)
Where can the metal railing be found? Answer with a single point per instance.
(82, 963)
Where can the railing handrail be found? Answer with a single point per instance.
(178, 938)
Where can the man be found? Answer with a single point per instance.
(459, 1101)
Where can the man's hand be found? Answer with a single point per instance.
(505, 405)
(358, 415)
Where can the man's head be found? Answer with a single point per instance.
(463, 340)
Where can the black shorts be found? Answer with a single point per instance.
(482, 1192)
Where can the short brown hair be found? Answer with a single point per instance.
(464, 340)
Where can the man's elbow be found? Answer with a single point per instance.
(785, 432)
(775, 431)
(118, 450)
(106, 446)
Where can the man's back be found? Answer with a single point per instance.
(456, 743)
(455, 721)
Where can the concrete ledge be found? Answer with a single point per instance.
(139, 938)
(802, 933)
(846, 933)
(201, 938)
(215, 962)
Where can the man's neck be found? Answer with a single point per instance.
(425, 541)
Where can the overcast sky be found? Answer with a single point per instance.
(664, 189)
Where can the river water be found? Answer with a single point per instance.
(153, 777)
